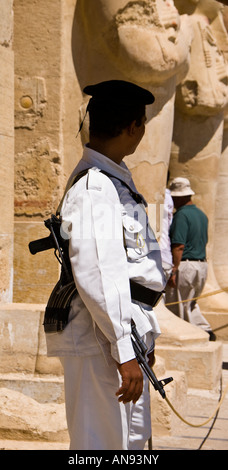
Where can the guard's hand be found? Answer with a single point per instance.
(132, 381)
(172, 280)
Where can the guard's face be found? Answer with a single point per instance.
(137, 134)
(141, 129)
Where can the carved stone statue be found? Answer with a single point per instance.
(220, 254)
(204, 90)
(198, 130)
(143, 42)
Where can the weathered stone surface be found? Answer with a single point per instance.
(201, 364)
(42, 388)
(30, 100)
(19, 329)
(6, 159)
(34, 275)
(37, 189)
(6, 23)
(199, 124)
(188, 346)
(22, 417)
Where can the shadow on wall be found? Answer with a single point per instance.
(186, 135)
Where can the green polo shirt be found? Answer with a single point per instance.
(190, 228)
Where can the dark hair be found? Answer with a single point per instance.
(109, 118)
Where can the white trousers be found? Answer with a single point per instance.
(191, 278)
(95, 418)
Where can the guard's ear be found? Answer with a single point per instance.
(131, 128)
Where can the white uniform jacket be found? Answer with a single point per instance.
(110, 242)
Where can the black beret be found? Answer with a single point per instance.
(119, 90)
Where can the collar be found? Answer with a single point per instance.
(92, 158)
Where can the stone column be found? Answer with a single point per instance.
(143, 42)
(38, 141)
(220, 255)
(198, 130)
(6, 150)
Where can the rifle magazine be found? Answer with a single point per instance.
(58, 307)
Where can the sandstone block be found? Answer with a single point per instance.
(19, 329)
(34, 275)
(21, 417)
(202, 364)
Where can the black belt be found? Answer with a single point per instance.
(144, 295)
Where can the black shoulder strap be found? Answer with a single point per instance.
(69, 185)
(136, 196)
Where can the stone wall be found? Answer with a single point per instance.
(151, 43)
(47, 99)
(38, 143)
(179, 54)
(6, 152)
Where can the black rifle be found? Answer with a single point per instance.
(65, 289)
(140, 349)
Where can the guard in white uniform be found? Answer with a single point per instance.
(110, 242)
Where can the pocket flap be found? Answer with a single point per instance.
(132, 225)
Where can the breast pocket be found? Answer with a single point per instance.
(134, 238)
